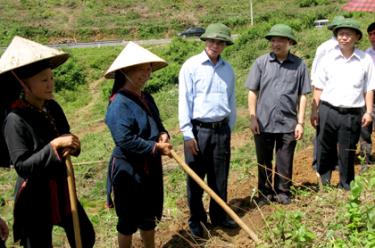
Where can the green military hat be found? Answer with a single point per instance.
(217, 31)
(281, 30)
(336, 21)
(349, 23)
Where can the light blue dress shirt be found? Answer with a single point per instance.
(206, 93)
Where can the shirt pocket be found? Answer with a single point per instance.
(289, 83)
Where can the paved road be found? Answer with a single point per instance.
(111, 43)
(118, 43)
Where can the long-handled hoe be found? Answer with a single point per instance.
(214, 196)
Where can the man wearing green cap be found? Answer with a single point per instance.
(321, 51)
(343, 87)
(278, 83)
(207, 113)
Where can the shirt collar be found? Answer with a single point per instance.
(337, 53)
(203, 58)
(289, 58)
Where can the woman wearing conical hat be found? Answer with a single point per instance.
(135, 169)
(37, 135)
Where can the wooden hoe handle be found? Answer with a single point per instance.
(214, 196)
(73, 202)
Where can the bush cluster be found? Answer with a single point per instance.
(69, 76)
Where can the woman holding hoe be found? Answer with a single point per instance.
(135, 169)
(38, 137)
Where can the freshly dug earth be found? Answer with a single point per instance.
(175, 232)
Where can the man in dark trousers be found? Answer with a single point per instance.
(344, 86)
(207, 113)
(278, 83)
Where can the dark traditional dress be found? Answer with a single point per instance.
(135, 170)
(42, 198)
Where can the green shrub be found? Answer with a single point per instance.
(289, 230)
(160, 79)
(69, 76)
(307, 3)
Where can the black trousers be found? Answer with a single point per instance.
(284, 145)
(365, 142)
(39, 235)
(338, 135)
(213, 160)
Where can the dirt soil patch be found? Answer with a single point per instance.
(175, 232)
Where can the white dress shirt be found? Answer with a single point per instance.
(206, 93)
(321, 51)
(344, 81)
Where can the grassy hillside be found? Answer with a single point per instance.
(327, 219)
(59, 21)
(54, 21)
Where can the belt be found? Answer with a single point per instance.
(211, 125)
(342, 110)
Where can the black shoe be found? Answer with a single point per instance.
(264, 200)
(196, 229)
(283, 199)
(326, 178)
(228, 224)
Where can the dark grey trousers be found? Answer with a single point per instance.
(213, 160)
(284, 145)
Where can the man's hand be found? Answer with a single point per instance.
(366, 119)
(298, 131)
(314, 119)
(254, 126)
(192, 146)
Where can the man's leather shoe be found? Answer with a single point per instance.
(283, 199)
(196, 229)
(228, 224)
(264, 200)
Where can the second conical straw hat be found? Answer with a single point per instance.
(22, 52)
(134, 54)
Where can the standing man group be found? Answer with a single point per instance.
(365, 138)
(207, 113)
(343, 86)
(321, 51)
(278, 83)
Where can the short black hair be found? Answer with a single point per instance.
(371, 27)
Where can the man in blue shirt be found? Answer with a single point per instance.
(278, 83)
(207, 113)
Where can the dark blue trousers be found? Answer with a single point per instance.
(213, 160)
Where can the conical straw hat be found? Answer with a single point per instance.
(22, 52)
(134, 54)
